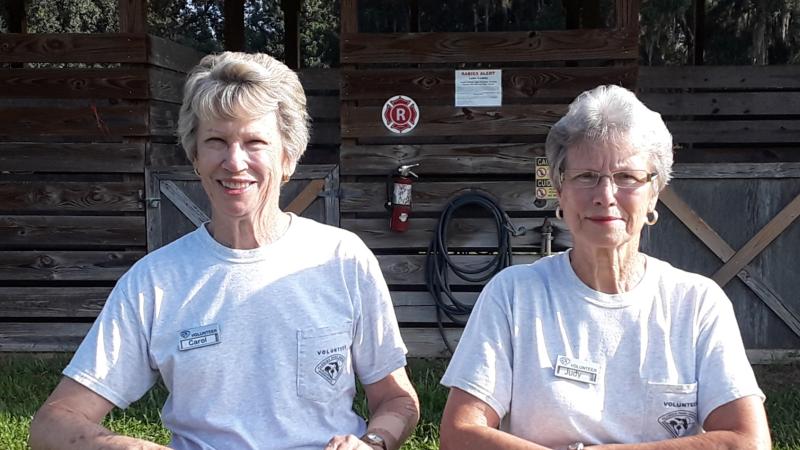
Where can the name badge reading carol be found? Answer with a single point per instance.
(577, 370)
(199, 337)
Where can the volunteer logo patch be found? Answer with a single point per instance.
(331, 368)
(679, 423)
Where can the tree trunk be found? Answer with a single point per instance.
(760, 34)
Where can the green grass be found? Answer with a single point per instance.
(26, 381)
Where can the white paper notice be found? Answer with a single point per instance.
(479, 87)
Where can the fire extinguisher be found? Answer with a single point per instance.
(398, 199)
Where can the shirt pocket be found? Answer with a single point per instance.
(323, 362)
(670, 411)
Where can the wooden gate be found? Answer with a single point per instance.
(177, 204)
(730, 212)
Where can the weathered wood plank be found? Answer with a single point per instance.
(73, 48)
(433, 196)
(724, 252)
(323, 107)
(719, 77)
(736, 170)
(420, 48)
(307, 196)
(723, 103)
(184, 204)
(314, 79)
(463, 233)
(427, 342)
(42, 232)
(166, 155)
(43, 196)
(91, 120)
(410, 269)
(170, 55)
(518, 83)
(440, 159)
(73, 301)
(325, 133)
(510, 120)
(163, 118)
(419, 306)
(42, 337)
(66, 265)
(735, 131)
(128, 83)
(758, 243)
(772, 356)
(72, 157)
(165, 85)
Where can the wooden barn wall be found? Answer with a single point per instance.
(79, 117)
(736, 192)
(73, 153)
(492, 149)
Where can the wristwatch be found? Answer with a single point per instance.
(576, 446)
(374, 439)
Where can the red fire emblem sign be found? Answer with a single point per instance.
(400, 114)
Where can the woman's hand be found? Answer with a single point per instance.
(348, 442)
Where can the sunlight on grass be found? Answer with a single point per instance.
(26, 381)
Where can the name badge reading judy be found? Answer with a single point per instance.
(577, 370)
(199, 337)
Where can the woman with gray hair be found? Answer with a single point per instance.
(602, 346)
(260, 321)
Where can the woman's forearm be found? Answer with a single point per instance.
(718, 440)
(394, 420)
(55, 428)
(479, 437)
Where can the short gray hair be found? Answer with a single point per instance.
(608, 113)
(233, 85)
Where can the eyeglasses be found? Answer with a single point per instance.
(623, 179)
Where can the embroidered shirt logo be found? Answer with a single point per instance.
(330, 368)
(679, 423)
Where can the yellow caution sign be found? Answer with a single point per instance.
(544, 187)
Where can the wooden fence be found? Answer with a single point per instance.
(82, 147)
(78, 127)
(730, 212)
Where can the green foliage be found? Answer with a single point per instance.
(73, 16)
(736, 32)
(666, 31)
(319, 33)
(193, 23)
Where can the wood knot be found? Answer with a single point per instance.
(78, 84)
(54, 44)
(45, 261)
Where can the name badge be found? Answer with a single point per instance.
(199, 337)
(577, 370)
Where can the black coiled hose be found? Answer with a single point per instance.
(438, 263)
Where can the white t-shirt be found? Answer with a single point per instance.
(258, 348)
(651, 363)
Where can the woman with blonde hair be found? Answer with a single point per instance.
(260, 321)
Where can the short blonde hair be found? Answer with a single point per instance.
(233, 85)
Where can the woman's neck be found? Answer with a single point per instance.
(611, 271)
(246, 233)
